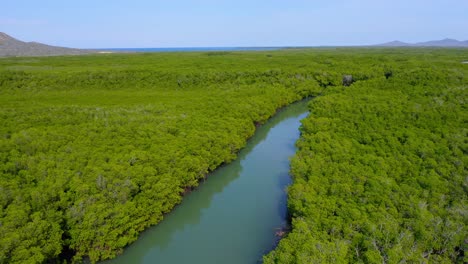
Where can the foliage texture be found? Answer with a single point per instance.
(380, 174)
(94, 149)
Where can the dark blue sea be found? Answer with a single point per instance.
(189, 49)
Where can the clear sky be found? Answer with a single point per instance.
(191, 23)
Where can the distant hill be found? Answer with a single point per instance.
(10, 47)
(395, 43)
(433, 43)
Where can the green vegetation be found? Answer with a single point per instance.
(94, 149)
(380, 174)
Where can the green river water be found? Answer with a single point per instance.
(233, 216)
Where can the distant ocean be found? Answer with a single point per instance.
(188, 49)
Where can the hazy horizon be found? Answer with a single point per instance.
(209, 23)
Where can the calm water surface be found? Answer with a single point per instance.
(232, 217)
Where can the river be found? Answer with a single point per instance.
(233, 216)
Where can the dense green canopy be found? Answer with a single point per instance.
(380, 174)
(94, 149)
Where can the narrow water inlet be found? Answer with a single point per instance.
(233, 216)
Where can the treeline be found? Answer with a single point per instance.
(380, 175)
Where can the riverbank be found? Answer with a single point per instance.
(379, 176)
(233, 216)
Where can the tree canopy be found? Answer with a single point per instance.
(94, 149)
(380, 173)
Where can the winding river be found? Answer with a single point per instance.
(234, 215)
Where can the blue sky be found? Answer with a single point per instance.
(190, 23)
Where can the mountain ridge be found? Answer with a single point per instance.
(446, 42)
(12, 47)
